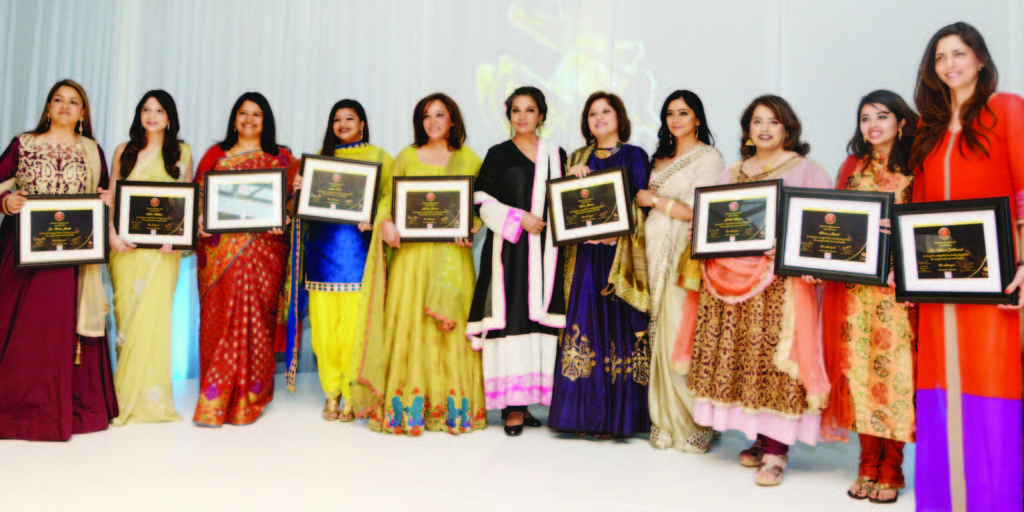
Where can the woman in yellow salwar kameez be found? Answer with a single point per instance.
(327, 263)
(144, 279)
(419, 372)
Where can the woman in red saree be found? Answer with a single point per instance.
(241, 278)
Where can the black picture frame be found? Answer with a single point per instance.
(622, 225)
(405, 185)
(24, 257)
(702, 248)
(189, 192)
(989, 217)
(874, 206)
(272, 177)
(368, 211)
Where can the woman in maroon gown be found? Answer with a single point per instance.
(55, 377)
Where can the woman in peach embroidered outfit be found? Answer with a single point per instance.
(870, 339)
(756, 364)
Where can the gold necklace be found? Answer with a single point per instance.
(603, 153)
(768, 169)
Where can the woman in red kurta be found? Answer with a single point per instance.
(970, 144)
(241, 276)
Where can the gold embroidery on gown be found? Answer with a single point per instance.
(578, 359)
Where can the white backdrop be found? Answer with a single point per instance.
(306, 54)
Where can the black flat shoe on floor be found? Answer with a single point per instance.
(530, 421)
(513, 430)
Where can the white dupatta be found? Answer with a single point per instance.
(503, 220)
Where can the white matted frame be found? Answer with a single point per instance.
(41, 211)
(615, 222)
(985, 284)
(460, 226)
(187, 193)
(763, 194)
(871, 244)
(331, 204)
(239, 201)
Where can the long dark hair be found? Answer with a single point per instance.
(137, 136)
(785, 114)
(330, 139)
(621, 116)
(457, 133)
(934, 99)
(899, 156)
(44, 123)
(268, 139)
(667, 141)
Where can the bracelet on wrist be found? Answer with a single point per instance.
(668, 207)
(3, 205)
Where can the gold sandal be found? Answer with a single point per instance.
(347, 414)
(331, 409)
(770, 473)
(864, 487)
(885, 487)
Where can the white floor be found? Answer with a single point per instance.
(291, 460)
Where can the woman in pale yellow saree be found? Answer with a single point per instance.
(144, 279)
(684, 160)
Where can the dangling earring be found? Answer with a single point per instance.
(539, 126)
(47, 120)
(360, 135)
(511, 132)
(81, 126)
(899, 134)
(866, 141)
(750, 142)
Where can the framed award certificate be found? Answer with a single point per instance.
(433, 209)
(834, 235)
(236, 201)
(151, 214)
(61, 231)
(954, 251)
(734, 220)
(593, 207)
(338, 190)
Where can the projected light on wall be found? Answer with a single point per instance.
(585, 61)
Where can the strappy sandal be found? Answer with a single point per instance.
(884, 487)
(770, 473)
(864, 487)
(347, 414)
(331, 409)
(751, 457)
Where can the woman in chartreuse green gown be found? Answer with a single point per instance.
(419, 371)
(144, 279)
